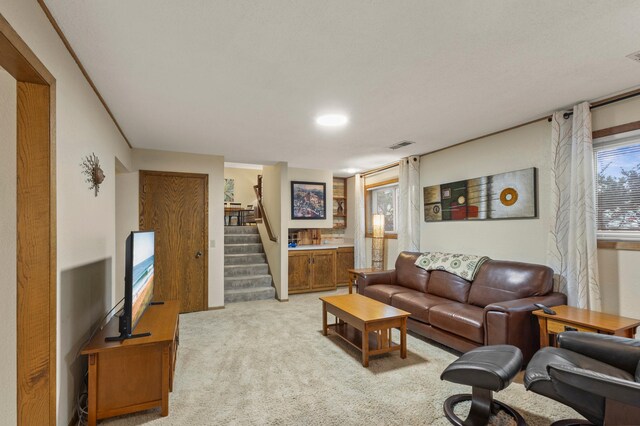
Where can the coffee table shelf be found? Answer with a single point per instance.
(366, 324)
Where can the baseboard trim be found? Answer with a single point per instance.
(283, 300)
(215, 308)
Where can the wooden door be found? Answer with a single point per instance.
(299, 278)
(344, 262)
(175, 206)
(323, 266)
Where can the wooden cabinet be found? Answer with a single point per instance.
(136, 374)
(344, 262)
(312, 270)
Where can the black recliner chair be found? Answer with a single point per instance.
(597, 375)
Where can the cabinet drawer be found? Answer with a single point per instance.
(559, 327)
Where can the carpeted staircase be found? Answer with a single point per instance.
(246, 272)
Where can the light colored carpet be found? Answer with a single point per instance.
(267, 363)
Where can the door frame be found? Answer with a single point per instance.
(205, 176)
(36, 228)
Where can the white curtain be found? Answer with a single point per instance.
(360, 253)
(409, 204)
(572, 247)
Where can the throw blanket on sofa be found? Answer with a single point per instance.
(463, 265)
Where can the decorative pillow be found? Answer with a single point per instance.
(463, 265)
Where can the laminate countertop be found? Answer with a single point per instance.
(321, 246)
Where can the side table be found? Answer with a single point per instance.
(355, 273)
(568, 318)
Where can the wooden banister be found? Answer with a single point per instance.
(263, 214)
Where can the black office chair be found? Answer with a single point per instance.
(595, 374)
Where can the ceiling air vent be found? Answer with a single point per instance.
(635, 56)
(401, 144)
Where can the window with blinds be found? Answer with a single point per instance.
(617, 164)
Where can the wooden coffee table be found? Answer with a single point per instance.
(366, 324)
(568, 318)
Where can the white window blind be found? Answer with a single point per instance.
(617, 166)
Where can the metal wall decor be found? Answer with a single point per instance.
(510, 195)
(91, 169)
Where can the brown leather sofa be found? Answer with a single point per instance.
(495, 308)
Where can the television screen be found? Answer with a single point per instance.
(142, 274)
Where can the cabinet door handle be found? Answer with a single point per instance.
(198, 254)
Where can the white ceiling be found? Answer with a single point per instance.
(245, 79)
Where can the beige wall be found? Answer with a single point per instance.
(127, 220)
(212, 165)
(8, 229)
(310, 175)
(244, 179)
(618, 269)
(274, 181)
(526, 239)
(521, 239)
(85, 224)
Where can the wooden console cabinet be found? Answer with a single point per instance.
(312, 270)
(344, 263)
(135, 374)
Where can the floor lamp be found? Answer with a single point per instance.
(377, 246)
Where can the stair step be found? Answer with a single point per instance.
(244, 270)
(243, 248)
(244, 258)
(240, 229)
(241, 238)
(249, 281)
(249, 294)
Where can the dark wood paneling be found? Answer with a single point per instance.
(36, 293)
(174, 205)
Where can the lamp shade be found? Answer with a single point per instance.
(378, 226)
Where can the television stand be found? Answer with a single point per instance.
(121, 337)
(132, 375)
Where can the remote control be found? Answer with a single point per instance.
(545, 309)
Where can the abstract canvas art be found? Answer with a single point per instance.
(308, 200)
(229, 190)
(510, 195)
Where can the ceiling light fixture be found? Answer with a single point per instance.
(332, 120)
(351, 171)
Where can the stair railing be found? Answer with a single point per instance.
(262, 214)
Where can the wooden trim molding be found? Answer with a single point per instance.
(619, 245)
(215, 308)
(84, 72)
(36, 229)
(610, 131)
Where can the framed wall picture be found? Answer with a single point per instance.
(511, 195)
(308, 200)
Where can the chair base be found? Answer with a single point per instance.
(482, 406)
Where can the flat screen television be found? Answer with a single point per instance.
(138, 282)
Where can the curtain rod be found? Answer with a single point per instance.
(608, 101)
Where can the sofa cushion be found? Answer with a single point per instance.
(460, 319)
(418, 303)
(383, 292)
(449, 286)
(501, 280)
(408, 274)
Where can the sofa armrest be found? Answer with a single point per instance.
(375, 277)
(566, 378)
(527, 304)
(511, 322)
(621, 352)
